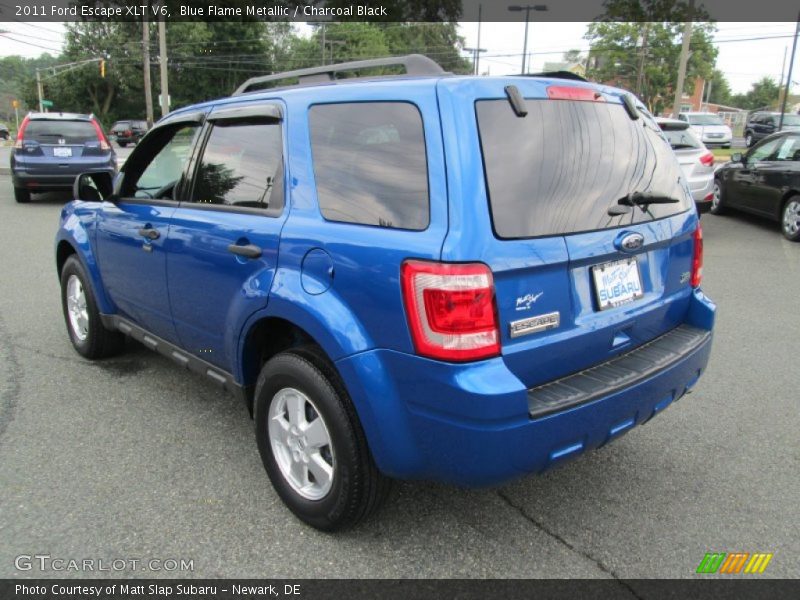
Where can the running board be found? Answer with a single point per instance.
(616, 374)
(223, 379)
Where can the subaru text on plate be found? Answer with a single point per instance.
(53, 148)
(420, 276)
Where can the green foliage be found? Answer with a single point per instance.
(720, 88)
(618, 53)
(763, 95)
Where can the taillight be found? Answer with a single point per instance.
(101, 136)
(697, 257)
(451, 310)
(707, 159)
(21, 132)
(568, 92)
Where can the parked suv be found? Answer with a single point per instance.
(421, 276)
(762, 124)
(52, 148)
(128, 132)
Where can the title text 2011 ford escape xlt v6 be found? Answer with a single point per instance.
(419, 276)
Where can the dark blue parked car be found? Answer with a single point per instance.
(53, 148)
(414, 276)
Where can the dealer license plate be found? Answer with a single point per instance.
(62, 152)
(617, 283)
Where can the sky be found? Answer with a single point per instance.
(742, 58)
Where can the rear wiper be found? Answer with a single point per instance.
(645, 199)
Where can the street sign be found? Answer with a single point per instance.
(15, 103)
(47, 103)
(169, 100)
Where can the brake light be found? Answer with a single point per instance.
(21, 132)
(566, 92)
(451, 310)
(707, 159)
(697, 257)
(101, 136)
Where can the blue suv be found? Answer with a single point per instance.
(416, 276)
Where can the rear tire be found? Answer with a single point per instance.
(22, 195)
(717, 201)
(748, 139)
(790, 219)
(122, 144)
(86, 331)
(312, 444)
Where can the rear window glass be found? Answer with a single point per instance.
(51, 132)
(559, 170)
(791, 120)
(681, 139)
(369, 164)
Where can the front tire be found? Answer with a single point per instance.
(790, 219)
(717, 200)
(748, 139)
(22, 195)
(86, 331)
(312, 444)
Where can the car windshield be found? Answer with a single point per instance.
(705, 120)
(681, 139)
(560, 169)
(51, 132)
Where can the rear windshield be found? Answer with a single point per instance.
(681, 139)
(705, 120)
(559, 170)
(51, 132)
(121, 125)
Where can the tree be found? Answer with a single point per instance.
(720, 88)
(573, 56)
(763, 94)
(652, 44)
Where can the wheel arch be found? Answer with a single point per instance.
(789, 194)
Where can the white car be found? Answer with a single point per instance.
(709, 127)
(697, 163)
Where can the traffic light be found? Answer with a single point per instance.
(102, 67)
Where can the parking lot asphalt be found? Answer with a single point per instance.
(134, 458)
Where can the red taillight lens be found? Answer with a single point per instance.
(451, 310)
(567, 92)
(697, 258)
(21, 132)
(101, 136)
(707, 159)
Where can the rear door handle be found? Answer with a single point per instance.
(150, 234)
(248, 251)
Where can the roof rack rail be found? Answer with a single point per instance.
(415, 64)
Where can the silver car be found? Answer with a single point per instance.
(697, 163)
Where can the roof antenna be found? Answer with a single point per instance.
(516, 100)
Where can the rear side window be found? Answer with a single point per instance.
(52, 132)
(560, 169)
(681, 139)
(241, 166)
(370, 165)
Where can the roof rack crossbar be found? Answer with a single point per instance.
(415, 65)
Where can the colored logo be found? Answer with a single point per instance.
(734, 563)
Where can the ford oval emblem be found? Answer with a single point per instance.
(629, 242)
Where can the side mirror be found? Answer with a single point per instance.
(92, 187)
(737, 157)
(116, 185)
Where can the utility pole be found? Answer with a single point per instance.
(323, 43)
(640, 73)
(478, 55)
(789, 75)
(39, 90)
(162, 59)
(687, 38)
(148, 91)
(708, 95)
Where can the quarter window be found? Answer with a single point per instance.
(241, 166)
(370, 165)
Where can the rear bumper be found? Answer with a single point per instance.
(34, 181)
(471, 424)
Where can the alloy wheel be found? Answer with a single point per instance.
(76, 308)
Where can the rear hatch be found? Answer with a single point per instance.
(61, 146)
(697, 163)
(575, 284)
